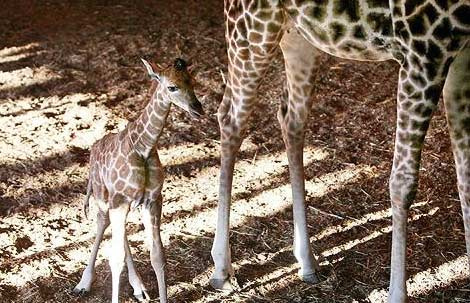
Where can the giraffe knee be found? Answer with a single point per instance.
(232, 128)
(292, 127)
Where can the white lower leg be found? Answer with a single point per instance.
(118, 254)
(151, 217)
(463, 171)
(88, 275)
(466, 222)
(302, 248)
(157, 256)
(221, 247)
(117, 263)
(398, 293)
(140, 292)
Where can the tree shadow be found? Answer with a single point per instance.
(35, 90)
(27, 56)
(44, 109)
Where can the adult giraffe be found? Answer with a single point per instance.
(430, 41)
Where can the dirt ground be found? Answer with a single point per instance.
(70, 72)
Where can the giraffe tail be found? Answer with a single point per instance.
(86, 202)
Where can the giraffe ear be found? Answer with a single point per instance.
(150, 70)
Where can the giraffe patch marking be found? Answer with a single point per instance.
(348, 7)
(462, 14)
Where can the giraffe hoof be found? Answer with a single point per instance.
(221, 284)
(229, 284)
(142, 297)
(81, 292)
(310, 278)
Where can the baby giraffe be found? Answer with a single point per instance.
(125, 172)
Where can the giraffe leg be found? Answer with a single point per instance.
(249, 56)
(457, 103)
(117, 216)
(415, 106)
(84, 286)
(140, 292)
(151, 217)
(300, 61)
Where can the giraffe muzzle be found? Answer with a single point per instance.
(195, 109)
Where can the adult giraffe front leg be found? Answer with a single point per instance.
(249, 55)
(301, 60)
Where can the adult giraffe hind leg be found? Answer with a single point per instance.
(416, 102)
(251, 46)
(457, 104)
(300, 59)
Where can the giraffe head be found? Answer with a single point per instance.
(176, 86)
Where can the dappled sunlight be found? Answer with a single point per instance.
(332, 251)
(264, 204)
(70, 73)
(353, 222)
(26, 76)
(66, 220)
(24, 105)
(59, 123)
(47, 266)
(249, 176)
(63, 228)
(267, 204)
(287, 274)
(64, 223)
(15, 53)
(427, 280)
(384, 230)
(179, 154)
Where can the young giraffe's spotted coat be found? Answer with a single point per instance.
(430, 41)
(125, 170)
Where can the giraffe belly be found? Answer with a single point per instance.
(351, 49)
(346, 29)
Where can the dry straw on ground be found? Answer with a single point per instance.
(70, 72)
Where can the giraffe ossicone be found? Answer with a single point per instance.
(430, 39)
(125, 171)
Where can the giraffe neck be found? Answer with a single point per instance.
(148, 127)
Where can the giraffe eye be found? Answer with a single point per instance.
(172, 89)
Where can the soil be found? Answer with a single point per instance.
(70, 72)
